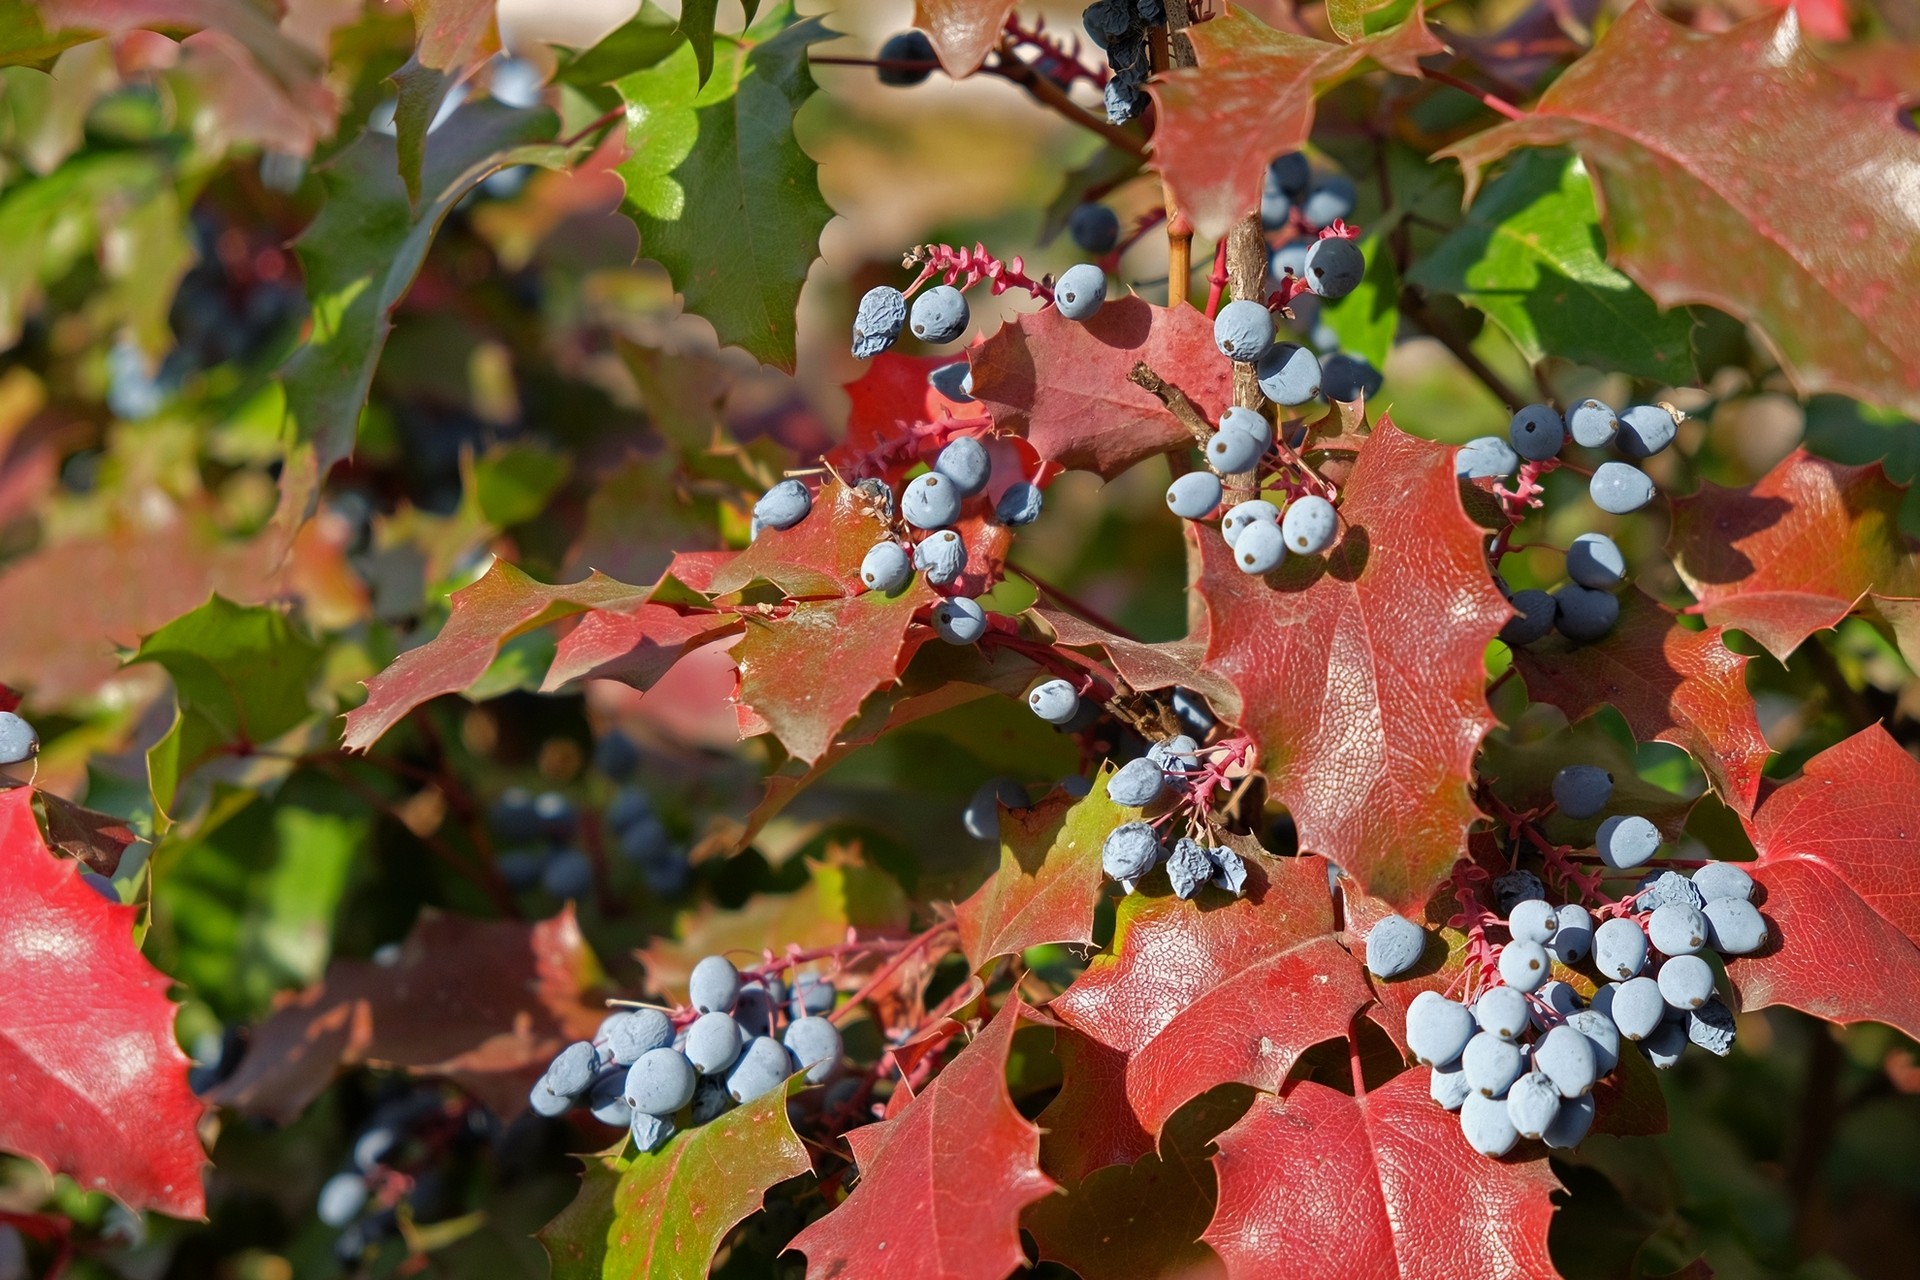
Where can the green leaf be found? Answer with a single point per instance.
(723, 195)
(245, 909)
(1366, 319)
(576, 1239)
(513, 482)
(241, 677)
(1530, 255)
(1352, 19)
(639, 42)
(25, 41)
(451, 38)
(361, 253)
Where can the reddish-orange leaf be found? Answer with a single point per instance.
(1193, 995)
(92, 1082)
(1361, 674)
(1795, 552)
(1840, 863)
(503, 604)
(820, 556)
(1738, 170)
(1048, 880)
(963, 31)
(941, 1184)
(889, 398)
(804, 674)
(1176, 663)
(485, 1003)
(1063, 384)
(1325, 1184)
(637, 643)
(1671, 685)
(1250, 99)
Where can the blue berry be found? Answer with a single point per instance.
(341, 1198)
(1330, 198)
(1537, 432)
(711, 1099)
(1290, 259)
(1080, 291)
(1485, 458)
(1438, 1029)
(1592, 424)
(1229, 870)
(1711, 1026)
(1503, 1012)
(1310, 525)
(954, 381)
(1019, 505)
(1664, 1046)
(1565, 1056)
(1571, 1125)
(965, 462)
(1594, 561)
(1525, 965)
(1659, 888)
(1394, 945)
(1718, 880)
(1194, 494)
(1572, 934)
(1645, 430)
(764, 1066)
(981, 817)
(1094, 227)
(1259, 548)
(906, 47)
(1291, 173)
(882, 313)
(632, 1032)
(1583, 614)
(1231, 451)
(959, 620)
(1686, 982)
(813, 996)
(783, 506)
(1137, 784)
(713, 1042)
(1054, 701)
(1243, 330)
(1487, 1127)
(1737, 926)
(1348, 378)
(1188, 867)
(815, 1046)
(1532, 1104)
(568, 873)
(1582, 790)
(1289, 374)
(1637, 1008)
(660, 1082)
(1130, 851)
(1492, 1064)
(1334, 267)
(713, 985)
(1620, 488)
(1257, 511)
(931, 501)
(1533, 921)
(1601, 1036)
(1555, 1000)
(1195, 716)
(1626, 841)
(1534, 616)
(1677, 929)
(1619, 949)
(942, 556)
(1276, 206)
(1448, 1088)
(885, 568)
(939, 315)
(1511, 888)
(1253, 423)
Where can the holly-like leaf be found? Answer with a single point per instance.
(1360, 674)
(1671, 684)
(1063, 384)
(1323, 1183)
(241, 678)
(723, 195)
(820, 556)
(1193, 995)
(1048, 880)
(672, 1208)
(576, 1239)
(637, 643)
(1250, 99)
(943, 1182)
(1353, 19)
(92, 1082)
(503, 604)
(1529, 255)
(360, 255)
(1839, 862)
(1795, 552)
(451, 38)
(963, 31)
(1715, 156)
(98, 839)
(484, 1003)
(1174, 664)
(805, 673)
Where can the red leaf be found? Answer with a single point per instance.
(485, 1003)
(97, 839)
(1196, 994)
(1840, 862)
(1325, 1184)
(820, 556)
(1063, 384)
(941, 1184)
(889, 398)
(637, 644)
(804, 675)
(1361, 675)
(92, 1083)
(1150, 666)
(1250, 99)
(1671, 685)
(503, 604)
(1715, 157)
(1048, 880)
(963, 31)
(1795, 552)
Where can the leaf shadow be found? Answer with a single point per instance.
(1725, 564)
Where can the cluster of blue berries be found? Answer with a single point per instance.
(1133, 849)
(1520, 1060)
(1120, 28)
(1585, 608)
(400, 1153)
(1259, 531)
(641, 1073)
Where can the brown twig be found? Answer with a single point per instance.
(1011, 66)
(1176, 400)
(1072, 604)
